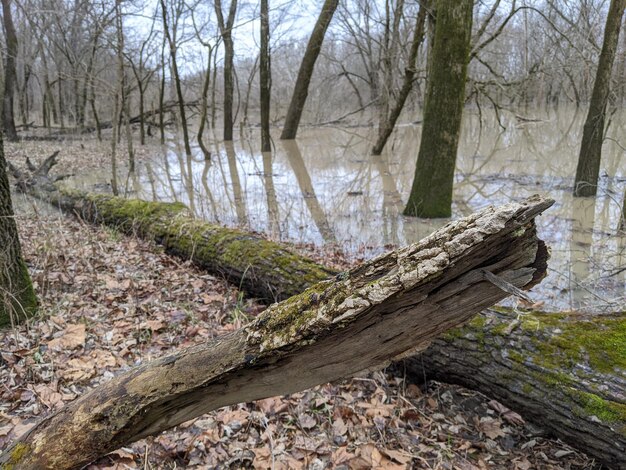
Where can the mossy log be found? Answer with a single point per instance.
(361, 319)
(565, 372)
(263, 269)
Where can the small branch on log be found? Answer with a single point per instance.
(359, 320)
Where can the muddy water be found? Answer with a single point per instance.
(327, 189)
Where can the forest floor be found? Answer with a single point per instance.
(110, 302)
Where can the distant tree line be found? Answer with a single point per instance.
(62, 59)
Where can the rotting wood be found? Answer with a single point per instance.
(359, 320)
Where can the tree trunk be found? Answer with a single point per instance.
(588, 169)
(431, 194)
(204, 106)
(265, 77)
(226, 29)
(263, 269)
(179, 90)
(162, 94)
(301, 88)
(10, 76)
(371, 314)
(17, 297)
(565, 372)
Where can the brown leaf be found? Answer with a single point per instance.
(307, 421)
(78, 369)
(72, 337)
(491, 427)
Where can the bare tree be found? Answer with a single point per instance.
(226, 29)
(171, 40)
(389, 119)
(265, 78)
(143, 74)
(301, 88)
(10, 77)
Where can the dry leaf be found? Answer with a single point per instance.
(72, 337)
(491, 428)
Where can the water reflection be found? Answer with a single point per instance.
(294, 157)
(326, 189)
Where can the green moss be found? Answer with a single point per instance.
(130, 212)
(23, 303)
(600, 342)
(17, 455)
(604, 410)
(283, 323)
(516, 356)
(479, 321)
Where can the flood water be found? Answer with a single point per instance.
(326, 188)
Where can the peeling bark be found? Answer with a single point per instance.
(387, 307)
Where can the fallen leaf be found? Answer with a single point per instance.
(71, 337)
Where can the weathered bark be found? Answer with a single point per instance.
(10, 76)
(384, 308)
(588, 169)
(301, 88)
(564, 372)
(17, 297)
(431, 193)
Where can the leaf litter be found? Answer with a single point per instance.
(110, 302)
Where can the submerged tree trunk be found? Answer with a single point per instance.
(375, 312)
(431, 193)
(17, 297)
(588, 169)
(10, 76)
(301, 88)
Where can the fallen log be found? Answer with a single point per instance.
(167, 107)
(359, 320)
(565, 372)
(263, 269)
(246, 264)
